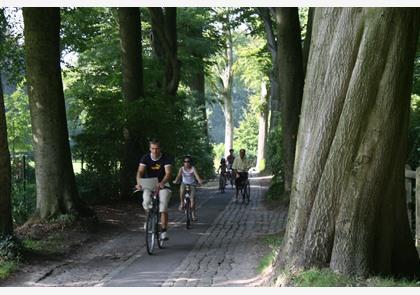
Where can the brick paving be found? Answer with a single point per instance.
(229, 253)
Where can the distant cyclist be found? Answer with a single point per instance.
(222, 168)
(189, 175)
(156, 164)
(230, 158)
(240, 167)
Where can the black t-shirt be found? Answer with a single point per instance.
(155, 168)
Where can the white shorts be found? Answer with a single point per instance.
(164, 197)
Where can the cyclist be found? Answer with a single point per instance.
(222, 168)
(240, 167)
(230, 158)
(190, 176)
(157, 164)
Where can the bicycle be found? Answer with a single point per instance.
(153, 229)
(222, 183)
(187, 206)
(230, 177)
(245, 190)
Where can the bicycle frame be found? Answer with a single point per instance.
(187, 206)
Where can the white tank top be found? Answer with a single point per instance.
(188, 176)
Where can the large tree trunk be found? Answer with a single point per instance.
(197, 85)
(164, 25)
(55, 182)
(227, 81)
(6, 225)
(290, 77)
(262, 128)
(131, 49)
(307, 42)
(274, 101)
(348, 209)
(132, 87)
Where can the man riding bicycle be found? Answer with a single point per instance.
(240, 167)
(156, 164)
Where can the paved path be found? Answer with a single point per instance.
(225, 249)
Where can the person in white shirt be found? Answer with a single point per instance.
(189, 176)
(240, 167)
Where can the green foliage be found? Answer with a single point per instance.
(11, 49)
(218, 154)
(6, 268)
(246, 135)
(100, 114)
(414, 133)
(274, 156)
(9, 248)
(23, 202)
(274, 151)
(18, 121)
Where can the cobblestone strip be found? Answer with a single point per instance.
(229, 253)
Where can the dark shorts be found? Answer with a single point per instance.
(243, 176)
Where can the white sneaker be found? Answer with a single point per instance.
(164, 236)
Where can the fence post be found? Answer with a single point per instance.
(418, 207)
(408, 192)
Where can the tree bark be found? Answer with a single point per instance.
(164, 25)
(348, 209)
(227, 80)
(131, 49)
(290, 79)
(55, 182)
(197, 85)
(274, 101)
(6, 224)
(132, 87)
(307, 42)
(262, 128)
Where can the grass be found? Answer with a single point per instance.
(327, 278)
(6, 268)
(274, 242)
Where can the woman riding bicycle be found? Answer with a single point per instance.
(190, 177)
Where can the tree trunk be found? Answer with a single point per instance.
(131, 49)
(262, 128)
(227, 81)
(55, 182)
(274, 102)
(6, 224)
(197, 85)
(348, 207)
(307, 42)
(132, 87)
(290, 78)
(164, 25)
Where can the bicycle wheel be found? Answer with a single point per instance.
(188, 213)
(151, 232)
(247, 192)
(221, 185)
(158, 231)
